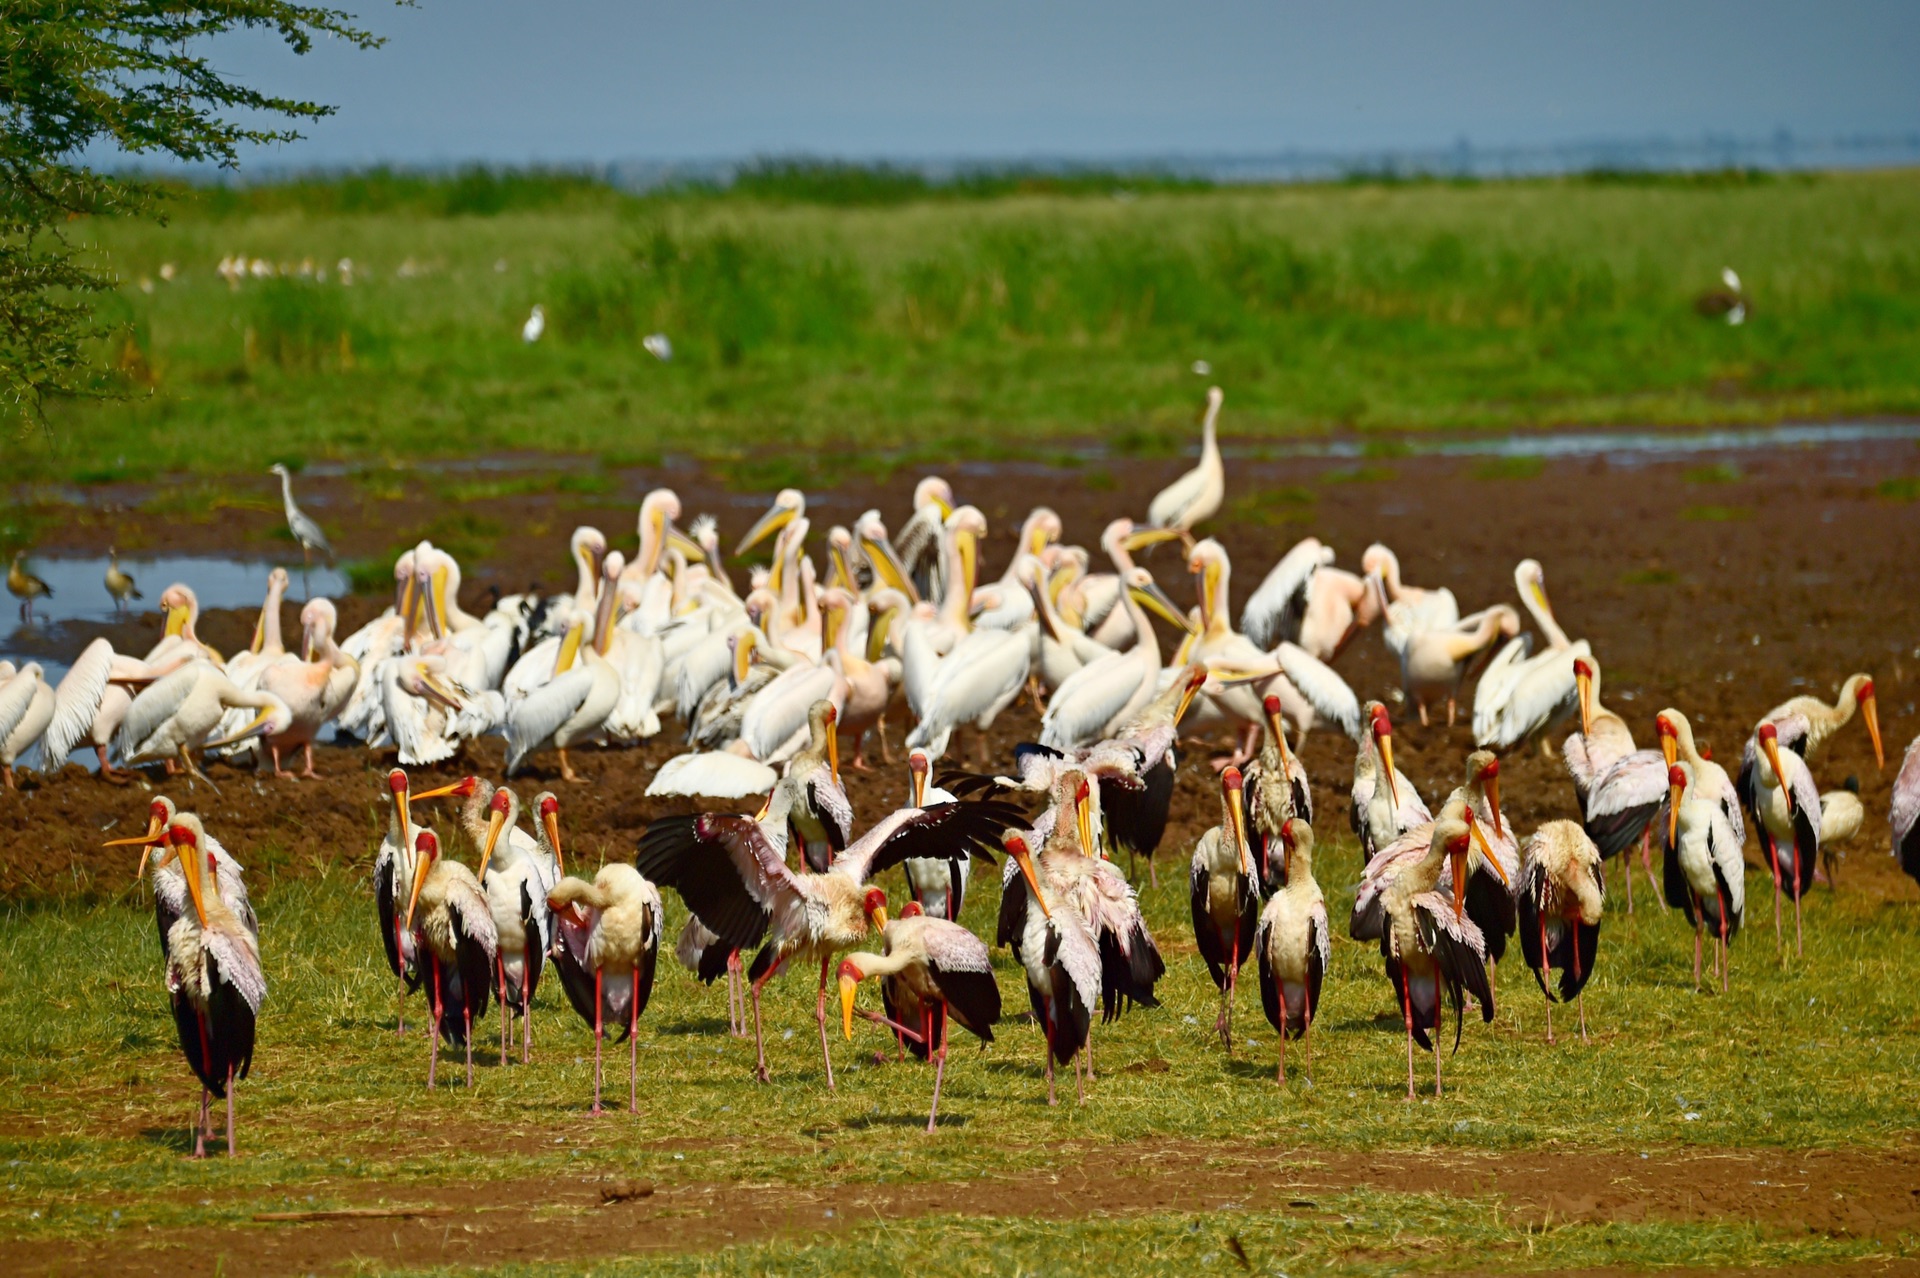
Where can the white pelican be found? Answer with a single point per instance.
(173, 716)
(932, 970)
(977, 679)
(299, 523)
(1409, 608)
(1063, 647)
(1295, 947)
(1278, 608)
(92, 700)
(606, 945)
(26, 708)
(419, 709)
(1841, 816)
(919, 540)
(870, 684)
(213, 979)
(267, 647)
(574, 705)
(182, 607)
(1103, 695)
(925, 640)
(387, 635)
(730, 872)
(1561, 898)
(315, 690)
(1521, 697)
(789, 504)
(1195, 497)
(870, 536)
(1338, 606)
(1438, 659)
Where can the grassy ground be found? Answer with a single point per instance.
(899, 319)
(1813, 1052)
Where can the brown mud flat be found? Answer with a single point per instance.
(1711, 587)
(1865, 1194)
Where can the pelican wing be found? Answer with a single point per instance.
(534, 669)
(1541, 692)
(534, 719)
(1496, 682)
(155, 705)
(946, 831)
(1324, 690)
(715, 773)
(1275, 610)
(780, 710)
(1080, 708)
(75, 703)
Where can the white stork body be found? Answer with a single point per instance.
(606, 944)
(1561, 897)
(1294, 946)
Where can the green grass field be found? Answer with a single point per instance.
(1815, 1052)
(1002, 318)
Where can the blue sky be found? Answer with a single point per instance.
(514, 81)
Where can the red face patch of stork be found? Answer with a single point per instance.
(158, 810)
(848, 971)
(875, 901)
(911, 910)
(1458, 844)
(1230, 779)
(397, 781)
(1491, 770)
(1767, 732)
(181, 837)
(917, 762)
(427, 844)
(1382, 726)
(549, 806)
(1271, 705)
(1664, 726)
(1677, 777)
(1581, 669)
(500, 802)
(466, 786)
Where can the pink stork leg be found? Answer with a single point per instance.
(820, 1015)
(939, 1067)
(526, 1005)
(506, 1017)
(1280, 1071)
(1725, 955)
(230, 1149)
(1799, 942)
(759, 1038)
(466, 1017)
(633, 1045)
(205, 1122)
(1406, 1006)
(1698, 910)
(1543, 962)
(433, 1030)
(1773, 858)
(598, 1030)
(1047, 1042)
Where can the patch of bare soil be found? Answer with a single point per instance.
(1841, 1193)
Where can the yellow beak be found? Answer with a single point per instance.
(1237, 816)
(1083, 821)
(1155, 600)
(190, 867)
(552, 821)
(421, 866)
(1870, 711)
(1493, 802)
(176, 620)
(887, 566)
(1673, 812)
(1140, 538)
(1669, 748)
(833, 751)
(847, 987)
(1772, 747)
(771, 522)
(495, 824)
(1586, 703)
(1024, 860)
(570, 648)
(1384, 742)
(252, 727)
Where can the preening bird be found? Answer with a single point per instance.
(606, 945)
(516, 872)
(931, 970)
(26, 709)
(1063, 972)
(449, 923)
(1561, 896)
(1788, 821)
(1385, 804)
(393, 875)
(299, 523)
(171, 898)
(1521, 697)
(1294, 945)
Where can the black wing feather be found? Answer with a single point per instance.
(686, 854)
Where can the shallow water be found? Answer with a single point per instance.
(60, 626)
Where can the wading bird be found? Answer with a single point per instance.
(1804, 725)
(732, 873)
(1520, 697)
(1841, 816)
(172, 717)
(1294, 945)
(25, 587)
(448, 919)
(1904, 815)
(516, 873)
(171, 898)
(213, 978)
(393, 869)
(1385, 804)
(931, 970)
(606, 943)
(119, 585)
(1561, 898)
(1276, 791)
(1225, 897)
(1620, 789)
(1063, 972)
(26, 708)
(299, 523)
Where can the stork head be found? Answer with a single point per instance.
(1483, 769)
(1676, 787)
(850, 978)
(1583, 681)
(1016, 847)
(547, 804)
(875, 906)
(499, 817)
(1231, 799)
(426, 846)
(1382, 729)
(917, 766)
(1769, 738)
(912, 910)
(1669, 733)
(1870, 711)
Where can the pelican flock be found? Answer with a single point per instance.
(766, 683)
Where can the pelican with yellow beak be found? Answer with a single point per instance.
(1107, 693)
(173, 716)
(789, 504)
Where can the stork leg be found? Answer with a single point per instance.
(939, 1070)
(1406, 1006)
(820, 1015)
(1549, 1020)
(466, 1020)
(230, 1149)
(1047, 1042)
(1696, 946)
(1306, 1039)
(433, 1030)
(1280, 1071)
(1773, 857)
(500, 969)
(597, 1034)
(1438, 1020)
(633, 1045)
(1725, 956)
(1079, 1079)
(759, 1037)
(200, 1122)
(1799, 942)
(1543, 960)
(1089, 1055)
(1581, 998)
(1153, 875)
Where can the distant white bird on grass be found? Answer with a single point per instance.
(658, 346)
(299, 523)
(536, 324)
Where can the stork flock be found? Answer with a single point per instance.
(771, 687)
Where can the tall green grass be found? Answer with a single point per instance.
(816, 308)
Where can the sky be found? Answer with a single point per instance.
(565, 81)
